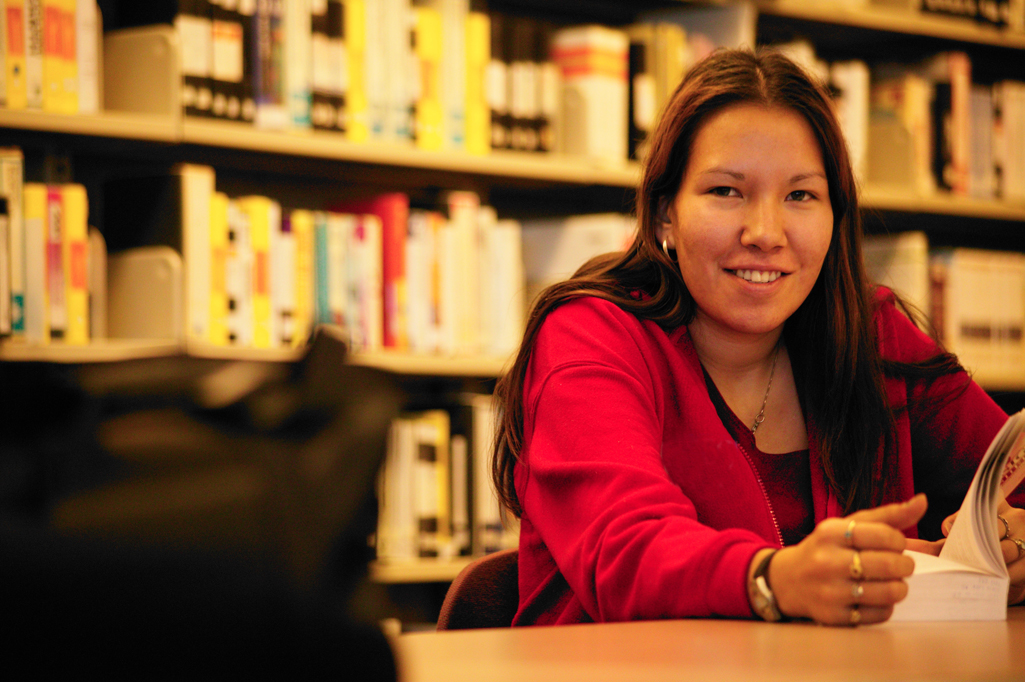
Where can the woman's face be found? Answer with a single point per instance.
(752, 220)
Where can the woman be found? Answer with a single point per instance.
(727, 420)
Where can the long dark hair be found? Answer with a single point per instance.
(831, 337)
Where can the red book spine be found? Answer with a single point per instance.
(393, 210)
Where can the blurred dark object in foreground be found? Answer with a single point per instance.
(181, 517)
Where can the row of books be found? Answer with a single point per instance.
(373, 69)
(445, 74)
(974, 299)
(932, 124)
(999, 13)
(996, 13)
(51, 52)
(444, 279)
(435, 494)
(928, 127)
(46, 273)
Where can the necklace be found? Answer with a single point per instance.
(761, 413)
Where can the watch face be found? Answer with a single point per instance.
(763, 601)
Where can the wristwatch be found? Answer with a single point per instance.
(763, 601)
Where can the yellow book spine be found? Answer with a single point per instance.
(302, 231)
(53, 56)
(429, 117)
(478, 54)
(76, 263)
(37, 298)
(14, 48)
(356, 44)
(257, 210)
(218, 269)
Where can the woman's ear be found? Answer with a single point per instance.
(665, 222)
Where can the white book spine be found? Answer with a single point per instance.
(197, 184)
(400, 74)
(593, 60)
(375, 67)
(87, 48)
(418, 286)
(852, 80)
(464, 208)
(11, 179)
(509, 286)
(453, 70)
(338, 228)
(364, 307)
(298, 61)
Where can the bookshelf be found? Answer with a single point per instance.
(893, 20)
(424, 571)
(105, 140)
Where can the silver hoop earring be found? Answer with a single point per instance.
(665, 248)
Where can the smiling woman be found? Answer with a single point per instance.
(751, 228)
(686, 422)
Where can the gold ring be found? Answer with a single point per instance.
(857, 591)
(855, 616)
(1020, 544)
(1007, 528)
(848, 535)
(856, 571)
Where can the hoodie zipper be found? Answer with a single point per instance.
(765, 493)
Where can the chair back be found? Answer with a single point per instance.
(485, 594)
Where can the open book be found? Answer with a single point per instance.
(968, 580)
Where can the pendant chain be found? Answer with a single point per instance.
(761, 413)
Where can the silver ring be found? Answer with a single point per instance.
(857, 572)
(855, 615)
(857, 591)
(1007, 528)
(848, 535)
(1020, 544)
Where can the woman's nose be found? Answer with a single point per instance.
(764, 226)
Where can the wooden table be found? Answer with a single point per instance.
(718, 650)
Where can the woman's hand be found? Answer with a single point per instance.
(849, 570)
(1011, 530)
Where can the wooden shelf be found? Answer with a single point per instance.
(433, 365)
(110, 350)
(116, 124)
(114, 350)
(893, 20)
(904, 200)
(334, 146)
(418, 570)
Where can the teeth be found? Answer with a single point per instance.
(759, 276)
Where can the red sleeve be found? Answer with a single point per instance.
(621, 532)
(952, 421)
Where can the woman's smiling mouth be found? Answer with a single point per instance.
(758, 276)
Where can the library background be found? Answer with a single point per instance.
(216, 179)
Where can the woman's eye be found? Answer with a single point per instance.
(724, 191)
(799, 195)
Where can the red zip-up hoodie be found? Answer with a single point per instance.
(637, 502)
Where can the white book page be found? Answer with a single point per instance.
(942, 590)
(973, 538)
